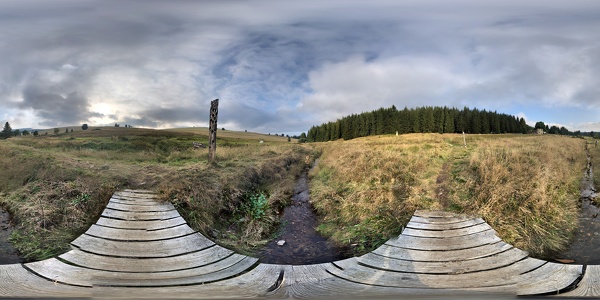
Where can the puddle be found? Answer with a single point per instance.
(585, 249)
(8, 254)
(303, 244)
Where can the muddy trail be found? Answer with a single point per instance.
(299, 243)
(585, 248)
(8, 254)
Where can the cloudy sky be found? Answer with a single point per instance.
(283, 66)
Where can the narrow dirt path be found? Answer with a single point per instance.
(585, 248)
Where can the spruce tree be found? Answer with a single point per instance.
(448, 121)
(6, 131)
(415, 120)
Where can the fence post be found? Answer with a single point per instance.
(212, 128)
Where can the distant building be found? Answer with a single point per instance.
(539, 131)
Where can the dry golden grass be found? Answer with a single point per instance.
(525, 186)
(365, 189)
(528, 189)
(55, 186)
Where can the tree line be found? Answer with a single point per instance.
(7, 132)
(419, 120)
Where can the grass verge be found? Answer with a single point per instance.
(526, 187)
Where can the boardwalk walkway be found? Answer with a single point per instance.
(143, 248)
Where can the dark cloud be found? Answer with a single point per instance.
(57, 96)
(193, 114)
(55, 109)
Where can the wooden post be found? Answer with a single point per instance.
(464, 139)
(212, 128)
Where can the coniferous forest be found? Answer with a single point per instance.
(419, 120)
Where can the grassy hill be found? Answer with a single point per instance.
(364, 190)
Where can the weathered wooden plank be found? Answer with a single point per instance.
(502, 259)
(135, 202)
(439, 214)
(442, 256)
(252, 284)
(589, 286)
(259, 280)
(549, 278)
(162, 248)
(138, 234)
(17, 282)
(148, 225)
(136, 193)
(132, 203)
(223, 269)
(58, 271)
(162, 264)
(349, 269)
(438, 254)
(447, 233)
(141, 208)
(450, 243)
(139, 216)
(451, 226)
(310, 280)
(453, 220)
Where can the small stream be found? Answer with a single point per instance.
(585, 248)
(8, 254)
(303, 244)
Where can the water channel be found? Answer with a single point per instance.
(8, 254)
(585, 248)
(299, 243)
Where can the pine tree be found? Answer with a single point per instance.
(438, 120)
(6, 131)
(523, 126)
(404, 121)
(475, 122)
(448, 121)
(485, 122)
(415, 120)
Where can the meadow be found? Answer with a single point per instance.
(364, 190)
(525, 186)
(56, 186)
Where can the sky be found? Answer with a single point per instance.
(284, 66)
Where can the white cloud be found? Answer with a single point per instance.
(357, 85)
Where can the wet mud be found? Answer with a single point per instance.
(585, 248)
(8, 254)
(302, 244)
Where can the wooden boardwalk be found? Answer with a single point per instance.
(143, 248)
